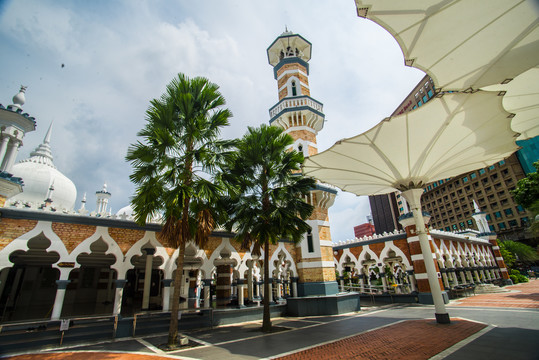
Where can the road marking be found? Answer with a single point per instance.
(153, 348)
(461, 344)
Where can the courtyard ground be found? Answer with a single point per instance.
(487, 326)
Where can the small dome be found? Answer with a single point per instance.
(127, 210)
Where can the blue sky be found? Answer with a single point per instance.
(118, 55)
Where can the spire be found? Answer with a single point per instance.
(42, 153)
(47, 139)
(476, 207)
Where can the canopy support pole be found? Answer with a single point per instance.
(413, 197)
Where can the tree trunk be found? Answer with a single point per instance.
(173, 329)
(266, 322)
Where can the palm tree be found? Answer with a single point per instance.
(266, 191)
(174, 165)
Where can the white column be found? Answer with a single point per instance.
(413, 197)
(455, 277)
(147, 278)
(207, 293)
(270, 295)
(476, 273)
(3, 147)
(294, 281)
(463, 276)
(60, 294)
(120, 284)
(250, 280)
(166, 293)
(11, 154)
(384, 280)
(446, 281)
(240, 286)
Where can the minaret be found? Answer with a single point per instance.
(302, 117)
(14, 124)
(103, 197)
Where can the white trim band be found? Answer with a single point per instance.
(316, 264)
(421, 276)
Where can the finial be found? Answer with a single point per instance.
(476, 207)
(105, 187)
(19, 99)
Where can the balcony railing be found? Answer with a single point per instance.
(295, 102)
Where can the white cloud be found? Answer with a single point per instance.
(119, 55)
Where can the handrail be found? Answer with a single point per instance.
(42, 321)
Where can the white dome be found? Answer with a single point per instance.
(127, 210)
(40, 176)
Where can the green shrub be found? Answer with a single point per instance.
(522, 279)
(514, 279)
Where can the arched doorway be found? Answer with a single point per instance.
(30, 286)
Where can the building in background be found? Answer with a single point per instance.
(363, 230)
(450, 201)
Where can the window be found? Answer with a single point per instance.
(501, 226)
(491, 227)
(473, 175)
(440, 182)
(419, 103)
(425, 99)
(497, 215)
(508, 211)
(428, 187)
(469, 222)
(488, 217)
(461, 224)
(310, 245)
(491, 167)
(465, 179)
(415, 107)
(447, 228)
(294, 90)
(520, 209)
(481, 171)
(434, 185)
(430, 93)
(454, 227)
(502, 162)
(513, 223)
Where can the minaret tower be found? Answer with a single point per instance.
(302, 117)
(103, 197)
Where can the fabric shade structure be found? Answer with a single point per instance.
(462, 44)
(468, 45)
(451, 134)
(522, 98)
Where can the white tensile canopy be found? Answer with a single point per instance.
(462, 44)
(467, 45)
(522, 98)
(449, 135)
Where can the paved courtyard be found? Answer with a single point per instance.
(489, 326)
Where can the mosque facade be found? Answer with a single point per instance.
(59, 262)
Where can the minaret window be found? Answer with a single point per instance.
(300, 148)
(310, 245)
(294, 89)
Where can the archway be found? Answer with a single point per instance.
(91, 287)
(30, 287)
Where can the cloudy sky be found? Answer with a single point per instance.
(118, 55)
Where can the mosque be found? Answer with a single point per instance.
(59, 262)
